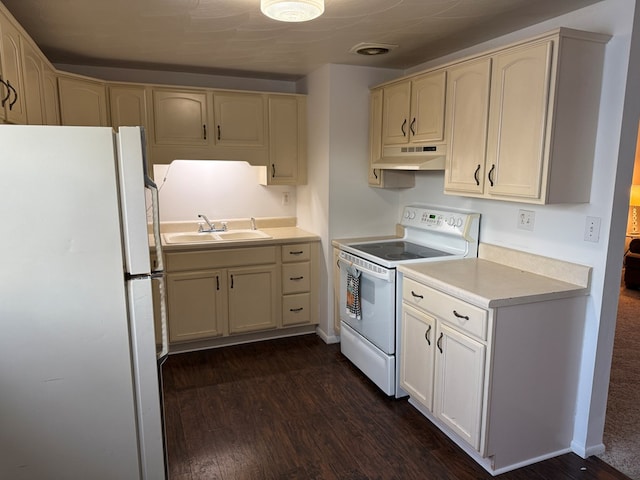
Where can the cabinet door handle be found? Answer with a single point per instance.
(219, 132)
(296, 278)
(465, 317)
(297, 252)
(4, 100)
(490, 174)
(426, 335)
(415, 295)
(231, 281)
(404, 124)
(15, 95)
(475, 175)
(273, 170)
(439, 342)
(296, 310)
(204, 130)
(375, 174)
(217, 282)
(413, 122)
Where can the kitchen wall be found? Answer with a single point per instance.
(220, 190)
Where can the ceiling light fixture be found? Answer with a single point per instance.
(292, 10)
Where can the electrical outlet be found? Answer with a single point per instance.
(285, 198)
(592, 229)
(526, 219)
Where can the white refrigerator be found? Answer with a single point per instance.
(80, 384)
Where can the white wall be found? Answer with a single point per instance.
(559, 229)
(221, 190)
(337, 201)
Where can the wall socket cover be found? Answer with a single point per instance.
(526, 219)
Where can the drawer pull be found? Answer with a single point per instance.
(426, 335)
(296, 278)
(296, 310)
(415, 295)
(466, 317)
(297, 252)
(439, 342)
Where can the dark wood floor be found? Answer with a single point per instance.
(295, 408)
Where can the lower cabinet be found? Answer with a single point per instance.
(501, 382)
(213, 293)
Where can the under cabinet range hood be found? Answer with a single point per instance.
(412, 157)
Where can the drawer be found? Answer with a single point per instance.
(219, 258)
(461, 315)
(295, 278)
(298, 252)
(296, 309)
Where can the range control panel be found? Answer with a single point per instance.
(443, 221)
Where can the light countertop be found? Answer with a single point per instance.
(488, 283)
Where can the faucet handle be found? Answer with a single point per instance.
(253, 223)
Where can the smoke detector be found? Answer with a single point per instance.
(369, 49)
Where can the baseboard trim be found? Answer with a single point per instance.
(328, 339)
(586, 452)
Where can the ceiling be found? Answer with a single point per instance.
(233, 37)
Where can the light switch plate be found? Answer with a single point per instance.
(592, 229)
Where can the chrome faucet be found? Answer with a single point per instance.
(211, 225)
(253, 223)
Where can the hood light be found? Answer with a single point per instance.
(292, 10)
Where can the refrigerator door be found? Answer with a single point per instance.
(67, 403)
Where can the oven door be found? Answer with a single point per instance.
(378, 304)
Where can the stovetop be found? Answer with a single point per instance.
(399, 250)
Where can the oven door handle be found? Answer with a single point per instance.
(384, 274)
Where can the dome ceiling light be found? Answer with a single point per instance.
(292, 10)
(372, 48)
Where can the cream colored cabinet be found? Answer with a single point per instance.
(418, 347)
(12, 88)
(287, 122)
(181, 117)
(298, 284)
(240, 119)
(50, 95)
(377, 177)
(413, 110)
(542, 121)
(443, 357)
(83, 101)
(33, 85)
(253, 302)
(466, 125)
(128, 105)
(196, 305)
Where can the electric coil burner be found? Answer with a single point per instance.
(368, 338)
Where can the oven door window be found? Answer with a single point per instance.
(378, 299)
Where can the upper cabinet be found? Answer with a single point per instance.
(83, 102)
(12, 86)
(539, 117)
(287, 140)
(240, 119)
(413, 110)
(33, 85)
(181, 117)
(128, 105)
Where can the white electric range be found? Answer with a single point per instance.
(370, 296)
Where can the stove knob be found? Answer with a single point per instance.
(451, 222)
(459, 222)
(411, 214)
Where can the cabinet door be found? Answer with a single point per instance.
(33, 86)
(375, 137)
(180, 117)
(287, 143)
(417, 360)
(458, 387)
(466, 126)
(427, 107)
(395, 113)
(517, 120)
(253, 301)
(195, 304)
(239, 119)
(15, 110)
(50, 96)
(128, 105)
(83, 102)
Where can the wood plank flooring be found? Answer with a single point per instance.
(295, 408)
